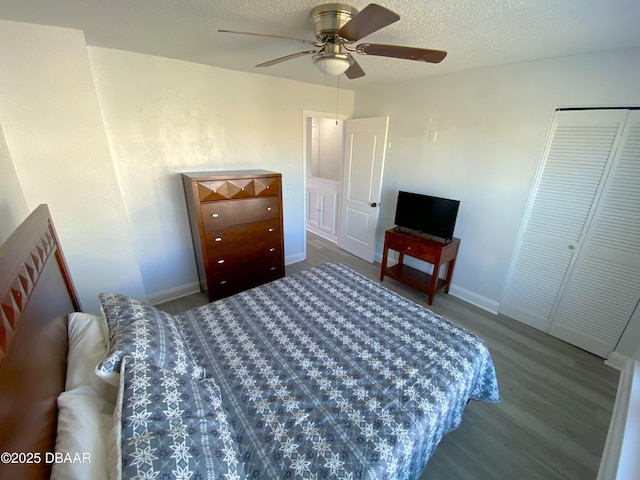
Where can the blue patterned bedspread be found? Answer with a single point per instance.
(327, 374)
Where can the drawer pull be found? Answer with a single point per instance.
(271, 229)
(223, 282)
(269, 209)
(408, 248)
(221, 261)
(272, 249)
(215, 215)
(217, 239)
(273, 268)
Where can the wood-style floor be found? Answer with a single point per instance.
(556, 399)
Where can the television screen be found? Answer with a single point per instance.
(433, 216)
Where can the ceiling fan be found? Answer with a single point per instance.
(337, 27)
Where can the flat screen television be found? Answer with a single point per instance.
(432, 216)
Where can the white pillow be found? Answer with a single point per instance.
(81, 443)
(88, 346)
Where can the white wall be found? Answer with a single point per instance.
(54, 133)
(165, 116)
(620, 460)
(13, 206)
(101, 136)
(331, 148)
(491, 127)
(629, 463)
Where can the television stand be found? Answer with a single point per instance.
(425, 249)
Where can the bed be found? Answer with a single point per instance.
(323, 374)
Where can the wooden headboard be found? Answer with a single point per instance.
(36, 294)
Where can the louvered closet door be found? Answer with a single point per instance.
(603, 288)
(575, 161)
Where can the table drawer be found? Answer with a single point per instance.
(231, 212)
(411, 248)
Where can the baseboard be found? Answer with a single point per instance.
(298, 257)
(619, 456)
(173, 293)
(468, 296)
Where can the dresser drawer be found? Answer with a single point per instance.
(267, 186)
(228, 238)
(409, 247)
(245, 254)
(225, 283)
(231, 212)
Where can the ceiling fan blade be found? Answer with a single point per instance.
(302, 40)
(285, 58)
(354, 71)
(407, 53)
(372, 18)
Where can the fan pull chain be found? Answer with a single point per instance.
(338, 101)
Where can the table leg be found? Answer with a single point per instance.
(452, 264)
(385, 255)
(433, 282)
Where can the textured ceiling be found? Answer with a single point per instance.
(475, 33)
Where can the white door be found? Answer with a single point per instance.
(603, 289)
(576, 274)
(322, 207)
(313, 207)
(365, 148)
(579, 149)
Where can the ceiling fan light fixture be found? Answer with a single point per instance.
(333, 63)
(337, 28)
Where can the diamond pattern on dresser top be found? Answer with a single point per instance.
(212, 190)
(226, 189)
(266, 186)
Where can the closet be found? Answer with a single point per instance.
(575, 273)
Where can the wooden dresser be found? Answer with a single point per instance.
(236, 224)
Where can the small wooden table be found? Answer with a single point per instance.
(423, 248)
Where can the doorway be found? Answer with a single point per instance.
(343, 168)
(323, 143)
